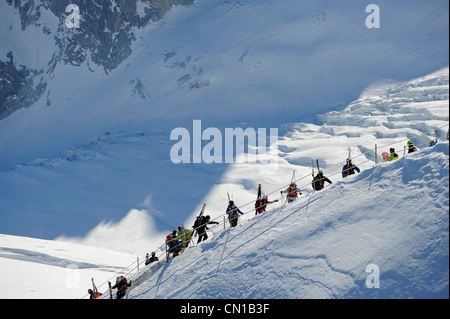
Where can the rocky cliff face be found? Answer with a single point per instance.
(19, 86)
(104, 37)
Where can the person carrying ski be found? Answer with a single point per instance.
(292, 192)
(201, 226)
(93, 294)
(149, 260)
(184, 236)
(349, 168)
(173, 243)
(261, 204)
(121, 286)
(411, 147)
(318, 182)
(393, 156)
(258, 206)
(232, 212)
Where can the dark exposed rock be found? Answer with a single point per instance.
(104, 38)
(19, 87)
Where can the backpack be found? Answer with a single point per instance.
(393, 156)
(232, 211)
(318, 183)
(292, 191)
(349, 170)
(124, 284)
(196, 224)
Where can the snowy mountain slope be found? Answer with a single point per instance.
(229, 64)
(39, 35)
(418, 114)
(394, 216)
(92, 192)
(47, 269)
(386, 117)
(90, 162)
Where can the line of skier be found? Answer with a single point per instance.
(179, 239)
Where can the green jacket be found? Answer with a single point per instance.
(187, 237)
(393, 157)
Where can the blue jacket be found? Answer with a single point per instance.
(233, 210)
(349, 169)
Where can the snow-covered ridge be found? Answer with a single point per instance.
(393, 216)
(89, 163)
(135, 167)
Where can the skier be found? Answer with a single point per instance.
(173, 243)
(319, 180)
(121, 286)
(93, 294)
(349, 168)
(232, 212)
(201, 225)
(411, 147)
(292, 192)
(184, 236)
(149, 260)
(433, 142)
(385, 156)
(261, 204)
(393, 156)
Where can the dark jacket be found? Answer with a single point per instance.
(151, 259)
(411, 148)
(349, 169)
(201, 224)
(121, 287)
(318, 182)
(173, 243)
